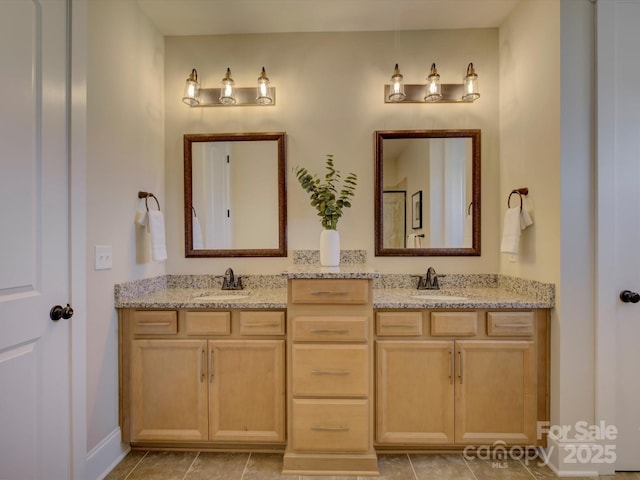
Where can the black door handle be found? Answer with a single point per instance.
(627, 296)
(57, 312)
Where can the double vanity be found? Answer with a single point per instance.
(331, 365)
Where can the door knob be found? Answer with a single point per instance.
(57, 312)
(627, 296)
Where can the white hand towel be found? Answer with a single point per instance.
(467, 238)
(414, 241)
(511, 231)
(156, 228)
(525, 218)
(197, 232)
(141, 217)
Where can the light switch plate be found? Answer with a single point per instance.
(103, 257)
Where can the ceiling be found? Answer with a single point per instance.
(211, 17)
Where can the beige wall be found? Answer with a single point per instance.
(546, 131)
(124, 154)
(530, 133)
(330, 100)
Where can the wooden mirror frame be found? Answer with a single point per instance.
(380, 250)
(281, 250)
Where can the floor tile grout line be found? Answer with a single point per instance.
(415, 475)
(467, 464)
(136, 465)
(526, 468)
(191, 466)
(246, 464)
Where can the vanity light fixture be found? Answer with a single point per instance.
(263, 94)
(434, 91)
(470, 85)
(396, 93)
(192, 90)
(228, 94)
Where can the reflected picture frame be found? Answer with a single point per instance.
(416, 210)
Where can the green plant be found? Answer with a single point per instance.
(325, 196)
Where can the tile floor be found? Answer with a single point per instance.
(265, 466)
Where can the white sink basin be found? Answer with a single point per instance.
(223, 296)
(440, 298)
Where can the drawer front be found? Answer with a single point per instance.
(262, 323)
(330, 329)
(155, 322)
(510, 324)
(330, 370)
(327, 291)
(208, 323)
(454, 324)
(399, 324)
(330, 425)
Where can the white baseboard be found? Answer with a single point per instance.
(562, 459)
(106, 455)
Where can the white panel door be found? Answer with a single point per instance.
(627, 230)
(34, 256)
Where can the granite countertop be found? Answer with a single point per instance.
(343, 271)
(456, 298)
(276, 298)
(263, 298)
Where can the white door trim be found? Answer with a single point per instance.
(605, 335)
(78, 235)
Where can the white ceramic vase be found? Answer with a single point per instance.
(329, 248)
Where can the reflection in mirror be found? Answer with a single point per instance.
(235, 198)
(427, 192)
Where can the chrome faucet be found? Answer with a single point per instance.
(230, 281)
(429, 281)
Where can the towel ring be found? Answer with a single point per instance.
(470, 205)
(520, 192)
(146, 196)
(193, 210)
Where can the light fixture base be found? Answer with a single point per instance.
(451, 93)
(245, 96)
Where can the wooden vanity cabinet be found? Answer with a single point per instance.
(203, 377)
(461, 378)
(330, 379)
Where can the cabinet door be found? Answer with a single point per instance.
(495, 392)
(415, 392)
(246, 395)
(168, 390)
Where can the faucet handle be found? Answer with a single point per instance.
(422, 283)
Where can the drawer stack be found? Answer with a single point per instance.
(331, 378)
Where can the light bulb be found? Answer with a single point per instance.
(397, 86)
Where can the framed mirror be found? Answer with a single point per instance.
(235, 202)
(427, 193)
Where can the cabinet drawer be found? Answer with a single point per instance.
(323, 291)
(208, 323)
(330, 329)
(330, 425)
(454, 324)
(399, 324)
(261, 323)
(510, 324)
(155, 322)
(330, 370)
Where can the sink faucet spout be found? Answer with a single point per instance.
(230, 281)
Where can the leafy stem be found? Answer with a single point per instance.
(328, 197)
